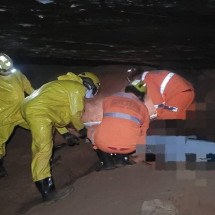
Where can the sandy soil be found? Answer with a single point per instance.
(120, 191)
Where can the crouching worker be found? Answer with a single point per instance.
(13, 87)
(55, 104)
(123, 126)
(169, 95)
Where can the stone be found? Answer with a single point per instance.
(158, 207)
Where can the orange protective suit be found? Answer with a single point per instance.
(118, 134)
(170, 93)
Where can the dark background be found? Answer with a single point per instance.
(175, 34)
(108, 37)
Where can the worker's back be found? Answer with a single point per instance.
(125, 120)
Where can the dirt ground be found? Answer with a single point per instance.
(123, 190)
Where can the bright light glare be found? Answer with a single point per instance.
(45, 1)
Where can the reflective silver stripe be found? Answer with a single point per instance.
(144, 75)
(165, 82)
(123, 116)
(162, 88)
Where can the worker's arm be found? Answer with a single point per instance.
(26, 84)
(77, 108)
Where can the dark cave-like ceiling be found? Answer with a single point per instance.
(151, 32)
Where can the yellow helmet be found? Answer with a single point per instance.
(91, 81)
(5, 62)
(138, 88)
(139, 85)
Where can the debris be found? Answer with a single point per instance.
(158, 207)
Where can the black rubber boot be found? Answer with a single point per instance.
(122, 160)
(106, 160)
(3, 171)
(46, 187)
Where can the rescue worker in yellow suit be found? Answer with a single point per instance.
(56, 104)
(13, 86)
(70, 138)
(123, 126)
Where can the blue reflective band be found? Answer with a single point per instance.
(123, 116)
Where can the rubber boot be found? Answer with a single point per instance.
(47, 189)
(106, 160)
(122, 160)
(3, 171)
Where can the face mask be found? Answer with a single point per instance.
(89, 94)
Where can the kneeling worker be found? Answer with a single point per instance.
(123, 126)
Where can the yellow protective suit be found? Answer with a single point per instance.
(12, 93)
(55, 104)
(72, 77)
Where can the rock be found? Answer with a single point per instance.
(158, 207)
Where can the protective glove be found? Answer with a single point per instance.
(83, 133)
(71, 139)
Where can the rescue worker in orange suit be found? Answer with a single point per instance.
(168, 94)
(56, 104)
(123, 126)
(13, 86)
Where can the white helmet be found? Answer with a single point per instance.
(132, 73)
(5, 63)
